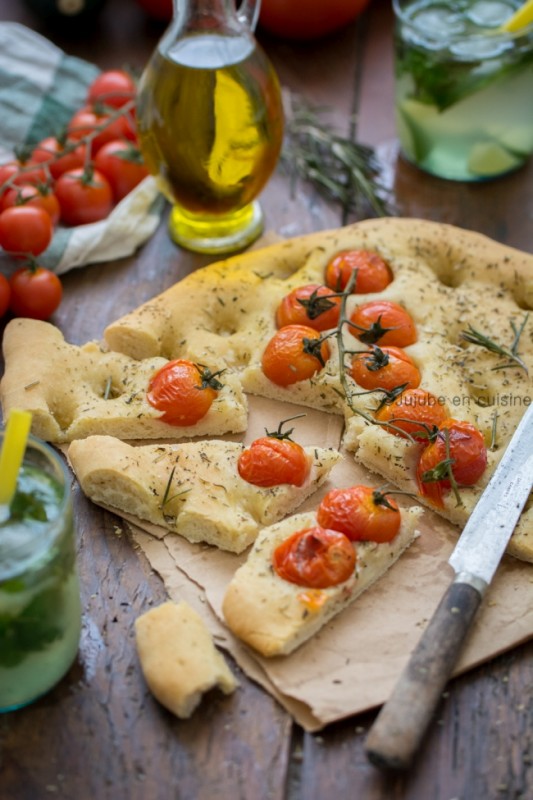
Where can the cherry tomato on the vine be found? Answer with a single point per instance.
(385, 368)
(414, 412)
(315, 557)
(113, 88)
(270, 461)
(84, 196)
(5, 294)
(60, 157)
(383, 322)
(294, 353)
(464, 445)
(99, 126)
(361, 513)
(183, 391)
(312, 305)
(25, 230)
(373, 272)
(29, 195)
(122, 164)
(36, 292)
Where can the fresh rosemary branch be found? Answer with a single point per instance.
(342, 170)
(474, 336)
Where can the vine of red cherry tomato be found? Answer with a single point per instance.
(73, 178)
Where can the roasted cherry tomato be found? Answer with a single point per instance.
(25, 230)
(274, 459)
(36, 292)
(414, 412)
(312, 305)
(373, 273)
(84, 196)
(5, 294)
(59, 156)
(385, 368)
(315, 557)
(113, 88)
(183, 391)
(361, 513)
(383, 322)
(122, 164)
(28, 195)
(463, 444)
(294, 353)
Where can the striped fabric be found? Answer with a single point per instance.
(40, 88)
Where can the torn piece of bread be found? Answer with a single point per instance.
(178, 657)
(73, 392)
(275, 616)
(193, 489)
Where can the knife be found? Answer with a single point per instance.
(399, 727)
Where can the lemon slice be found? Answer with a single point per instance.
(522, 17)
(491, 159)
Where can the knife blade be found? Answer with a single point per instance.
(399, 727)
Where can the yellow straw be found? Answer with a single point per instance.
(520, 19)
(12, 452)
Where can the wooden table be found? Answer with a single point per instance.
(100, 734)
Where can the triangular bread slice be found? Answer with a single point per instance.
(192, 489)
(275, 616)
(73, 392)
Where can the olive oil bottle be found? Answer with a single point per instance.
(210, 123)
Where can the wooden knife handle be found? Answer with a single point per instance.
(398, 730)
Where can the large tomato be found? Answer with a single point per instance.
(307, 19)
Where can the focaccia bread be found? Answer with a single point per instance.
(73, 392)
(192, 489)
(275, 616)
(449, 280)
(178, 657)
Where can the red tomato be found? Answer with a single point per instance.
(25, 229)
(361, 513)
(35, 292)
(373, 273)
(113, 88)
(83, 196)
(468, 455)
(307, 19)
(7, 172)
(18, 172)
(5, 294)
(415, 412)
(28, 195)
(294, 353)
(385, 368)
(60, 157)
(100, 127)
(383, 322)
(270, 461)
(184, 392)
(312, 305)
(122, 164)
(315, 557)
(157, 9)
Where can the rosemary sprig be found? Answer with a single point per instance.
(341, 169)
(474, 336)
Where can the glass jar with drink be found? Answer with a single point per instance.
(40, 611)
(464, 87)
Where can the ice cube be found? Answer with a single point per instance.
(439, 22)
(490, 13)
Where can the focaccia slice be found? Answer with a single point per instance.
(275, 616)
(73, 392)
(192, 489)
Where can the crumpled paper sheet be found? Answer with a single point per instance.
(40, 88)
(353, 663)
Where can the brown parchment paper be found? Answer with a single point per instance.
(353, 663)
